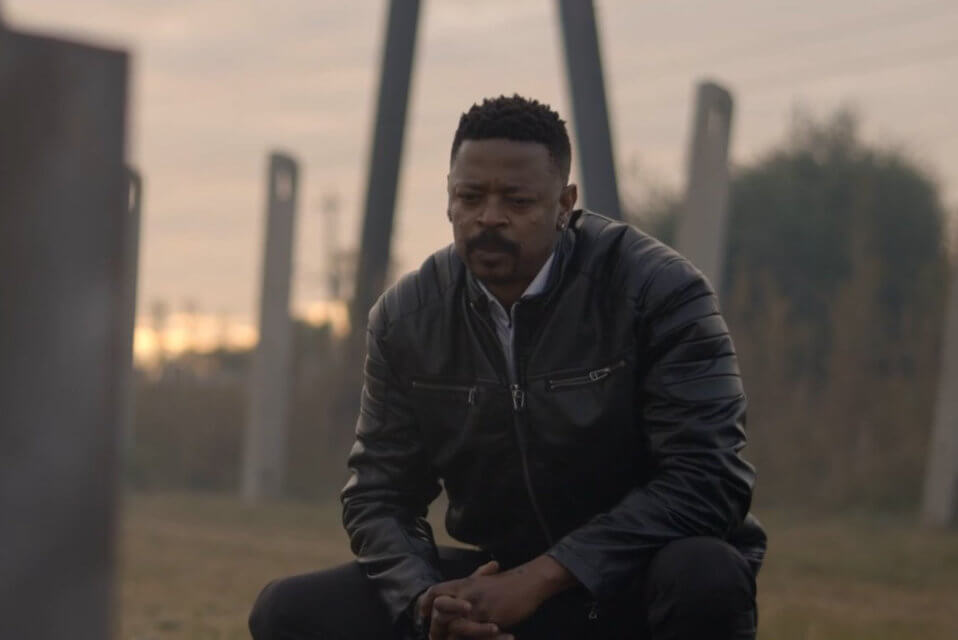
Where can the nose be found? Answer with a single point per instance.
(493, 213)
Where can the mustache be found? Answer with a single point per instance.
(489, 240)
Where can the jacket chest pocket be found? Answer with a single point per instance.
(460, 420)
(584, 378)
(588, 400)
(445, 412)
(457, 393)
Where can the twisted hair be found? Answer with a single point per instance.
(519, 119)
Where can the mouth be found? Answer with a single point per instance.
(491, 246)
(490, 251)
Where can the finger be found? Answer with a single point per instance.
(488, 569)
(449, 606)
(429, 595)
(472, 629)
(443, 617)
(426, 600)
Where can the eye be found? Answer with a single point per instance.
(520, 201)
(469, 197)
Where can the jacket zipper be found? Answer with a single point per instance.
(518, 406)
(591, 377)
(469, 390)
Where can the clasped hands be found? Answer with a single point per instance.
(489, 601)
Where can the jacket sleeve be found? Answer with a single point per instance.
(692, 410)
(390, 486)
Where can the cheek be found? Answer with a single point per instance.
(458, 229)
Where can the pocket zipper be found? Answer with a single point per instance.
(471, 391)
(591, 377)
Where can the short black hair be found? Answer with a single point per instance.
(519, 119)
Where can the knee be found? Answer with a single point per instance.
(702, 577)
(268, 612)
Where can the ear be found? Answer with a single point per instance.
(449, 196)
(567, 200)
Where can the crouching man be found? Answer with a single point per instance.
(571, 382)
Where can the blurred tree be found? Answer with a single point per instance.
(834, 282)
(795, 216)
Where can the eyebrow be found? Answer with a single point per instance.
(472, 184)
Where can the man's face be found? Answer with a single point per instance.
(507, 201)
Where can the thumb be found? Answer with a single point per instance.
(488, 569)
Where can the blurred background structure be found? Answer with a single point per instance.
(68, 252)
(264, 452)
(701, 232)
(826, 222)
(589, 108)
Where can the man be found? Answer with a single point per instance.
(571, 383)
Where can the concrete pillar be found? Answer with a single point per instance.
(701, 234)
(264, 461)
(64, 333)
(940, 500)
(384, 160)
(593, 139)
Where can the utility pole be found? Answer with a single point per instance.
(65, 265)
(264, 461)
(384, 160)
(333, 268)
(594, 140)
(702, 228)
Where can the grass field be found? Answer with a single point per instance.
(192, 564)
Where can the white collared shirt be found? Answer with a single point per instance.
(505, 322)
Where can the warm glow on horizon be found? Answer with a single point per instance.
(332, 312)
(206, 332)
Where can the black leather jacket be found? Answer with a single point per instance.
(623, 433)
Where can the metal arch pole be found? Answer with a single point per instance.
(591, 113)
(384, 159)
(264, 451)
(702, 232)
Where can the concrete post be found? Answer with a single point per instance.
(264, 461)
(701, 234)
(940, 500)
(384, 159)
(64, 333)
(593, 139)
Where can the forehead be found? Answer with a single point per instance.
(502, 160)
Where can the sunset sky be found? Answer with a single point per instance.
(218, 83)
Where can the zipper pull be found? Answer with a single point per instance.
(472, 395)
(594, 611)
(518, 398)
(599, 374)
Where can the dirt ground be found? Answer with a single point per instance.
(191, 565)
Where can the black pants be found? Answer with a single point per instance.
(693, 589)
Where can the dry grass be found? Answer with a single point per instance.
(192, 565)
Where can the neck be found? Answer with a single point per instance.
(508, 293)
